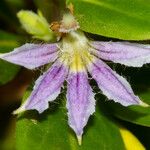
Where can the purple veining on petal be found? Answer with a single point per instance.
(32, 55)
(113, 85)
(80, 101)
(47, 87)
(130, 54)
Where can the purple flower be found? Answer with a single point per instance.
(73, 57)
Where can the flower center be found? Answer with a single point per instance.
(74, 48)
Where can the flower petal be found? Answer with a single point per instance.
(46, 88)
(130, 54)
(113, 85)
(80, 102)
(32, 55)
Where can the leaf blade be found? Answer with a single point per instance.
(52, 131)
(115, 19)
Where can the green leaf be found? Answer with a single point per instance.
(123, 19)
(135, 114)
(50, 130)
(7, 43)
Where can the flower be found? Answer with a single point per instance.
(73, 57)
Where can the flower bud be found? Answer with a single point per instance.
(36, 25)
